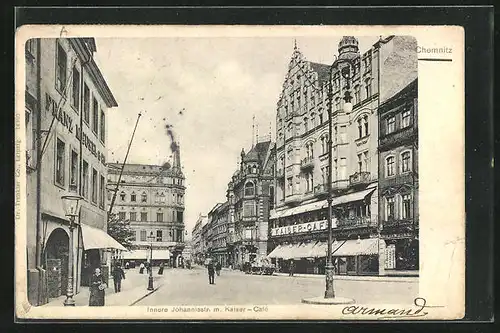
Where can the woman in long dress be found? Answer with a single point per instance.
(97, 287)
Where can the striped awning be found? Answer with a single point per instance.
(353, 247)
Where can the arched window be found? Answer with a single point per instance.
(389, 166)
(357, 97)
(368, 87)
(144, 197)
(133, 197)
(122, 196)
(249, 189)
(406, 161)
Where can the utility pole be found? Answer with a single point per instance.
(121, 170)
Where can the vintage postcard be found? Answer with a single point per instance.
(240, 172)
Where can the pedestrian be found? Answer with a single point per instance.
(118, 275)
(211, 273)
(97, 287)
(218, 268)
(160, 271)
(141, 268)
(292, 267)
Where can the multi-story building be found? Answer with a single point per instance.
(299, 222)
(67, 99)
(151, 197)
(218, 224)
(249, 194)
(197, 240)
(398, 179)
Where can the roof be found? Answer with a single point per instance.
(323, 71)
(146, 169)
(261, 148)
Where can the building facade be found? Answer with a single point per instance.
(197, 240)
(299, 222)
(151, 197)
(67, 99)
(218, 225)
(249, 194)
(398, 179)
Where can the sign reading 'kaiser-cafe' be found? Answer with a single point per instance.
(303, 227)
(67, 121)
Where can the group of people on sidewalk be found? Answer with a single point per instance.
(98, 285)
(212, 269)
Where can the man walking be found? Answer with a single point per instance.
(211, 272)
(118, 275)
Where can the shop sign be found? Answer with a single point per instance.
(67, 121)
(303, 228)
(390, 256)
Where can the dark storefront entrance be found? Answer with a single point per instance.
(56, 262)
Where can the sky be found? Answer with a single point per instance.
(208, 90)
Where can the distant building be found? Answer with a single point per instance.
(197, 240)
(218, 223)
(151, 197)
(67, 99)
(398, 179)
(298, 224)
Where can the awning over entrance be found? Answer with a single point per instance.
(136, 255)
(161, 254)
(318, 250)
(276, 252)
(94, 238)
(356, 196)
(303, 250)
(354, 247)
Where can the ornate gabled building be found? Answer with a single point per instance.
(151, 197)
(298, 227)
(249, 194)
(398, 179)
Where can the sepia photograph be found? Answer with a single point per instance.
(194, 175)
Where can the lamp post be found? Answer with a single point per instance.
(150, 279)
(72, 210)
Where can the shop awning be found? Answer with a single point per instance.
(303, 250)
(318, 250)
(161, 254)
(136, 255)
(355, 247)
(276, 252)
(94, 238)
(356, 196)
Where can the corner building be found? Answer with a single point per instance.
(298, 224)
(151, 197)
(67, 100)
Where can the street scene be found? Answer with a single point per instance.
(221, 171)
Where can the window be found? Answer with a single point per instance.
(102, 189)
(133, 216)
(143, 235)
(290, 186)
(357, 97)
(391, 124)
(320, 118)
(75, 96)
(86, 103)
(249, 189)
(337, 104)
(85, 179)
(144, 216)
(360, 162)
(366, 125)
(360, 128)
(406, 206)
(335, 169)
(122, 196)
(389, 166)
(103, 127)
(366, 161)
(159, 235)
(159, 217)
(60, 161)
(180, 217)
(324, 143)
(406, 161)
(94, 185)
(289, 155)
(133, 197)
(389, 208)
(144, 197)
(343, 169)
(73, 172)
(249, 209)
(306, 126)
(343, 134)
(368, 87)
(309, 182)
(61, 68)
(95, 115)
(405, 118)
(363, 126)
(121, 216)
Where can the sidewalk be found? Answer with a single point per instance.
(411, 279)
(134, 288)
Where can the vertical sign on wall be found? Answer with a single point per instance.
(390, 256)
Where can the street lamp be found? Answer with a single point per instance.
(150, 279)
(72, 210)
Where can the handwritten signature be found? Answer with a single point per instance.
(419, 311)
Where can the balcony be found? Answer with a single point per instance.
(321, 189)
(400, 223)
(397, 138)
(357, 222)
(307, 163)
(400, 179)
(340, 184)
(360, 178)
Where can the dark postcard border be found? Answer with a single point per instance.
(478, 24)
